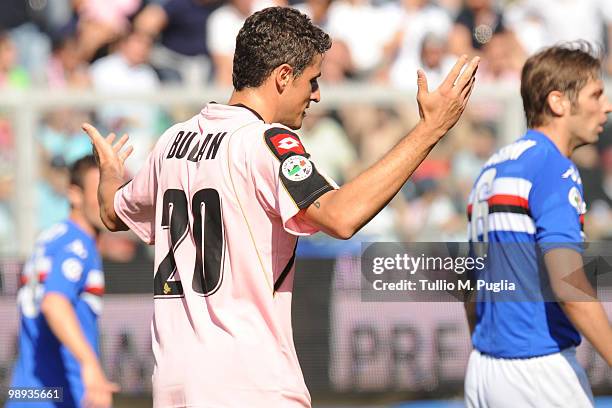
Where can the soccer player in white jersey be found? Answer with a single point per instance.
(528, 201)
(224, 197)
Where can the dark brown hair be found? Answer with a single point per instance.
(565, 68)
(79, 168)
(272, 37)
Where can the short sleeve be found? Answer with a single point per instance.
(286, 180)
(66, 275)
(135, 201)
(557, 205)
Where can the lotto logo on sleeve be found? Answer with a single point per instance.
(296, 168)
(285, 143)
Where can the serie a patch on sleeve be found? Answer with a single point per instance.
(298, 174)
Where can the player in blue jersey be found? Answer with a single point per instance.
(527, 204)
(60, 301)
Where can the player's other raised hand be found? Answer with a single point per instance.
(109, 156)
(441, 109)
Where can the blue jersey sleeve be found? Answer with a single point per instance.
(67, 275)
(556, 204)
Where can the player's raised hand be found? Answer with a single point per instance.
(441, 109)
(109, 156)
(98, 390)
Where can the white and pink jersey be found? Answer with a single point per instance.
(218, 197)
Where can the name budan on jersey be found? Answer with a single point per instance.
(182, 142)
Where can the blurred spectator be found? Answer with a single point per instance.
(337, 61)
(329, 145)
(473, 150)
(451, 6)
(23, 20)
(7, 179)
(374, 130)
(182, 54)
(223, 27)
(61, 137)
(99, 23)
(51, 191)
(570, 20)
(126, 70)
(432, 217)
(499, 62)
(475, 26)
(527, 25)
(11, 74)
(317, 10)
(13, 13)
(349, 23)
(8, 243)
(420, 20)
(596, 175)
(433, 59)
(66, 68)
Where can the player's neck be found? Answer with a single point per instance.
(79, 219)
(560, 137)
(257, 100)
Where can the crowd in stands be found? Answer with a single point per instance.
(143, 45)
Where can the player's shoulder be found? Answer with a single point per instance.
(190, 125)
(64, 241)
(547, 162)
(526, 157)
(282, 141)
(54, 235)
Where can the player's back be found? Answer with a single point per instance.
(223, 263)
(526, 201)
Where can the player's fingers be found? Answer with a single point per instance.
(126, 153)
(111, 138)
(92, 132)
(450, 79)
(422, 86)
(467, 90)
(468, 73)
(117, 146)
(466, 98)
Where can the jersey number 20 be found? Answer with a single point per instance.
(207, 230)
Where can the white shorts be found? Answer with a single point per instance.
(555, 380)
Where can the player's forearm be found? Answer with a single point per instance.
(347, 210)
(62, 320)
(110, 182)
(591, 320)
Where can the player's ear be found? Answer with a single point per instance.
(75, 196)
(283, 75)
(558, 103)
